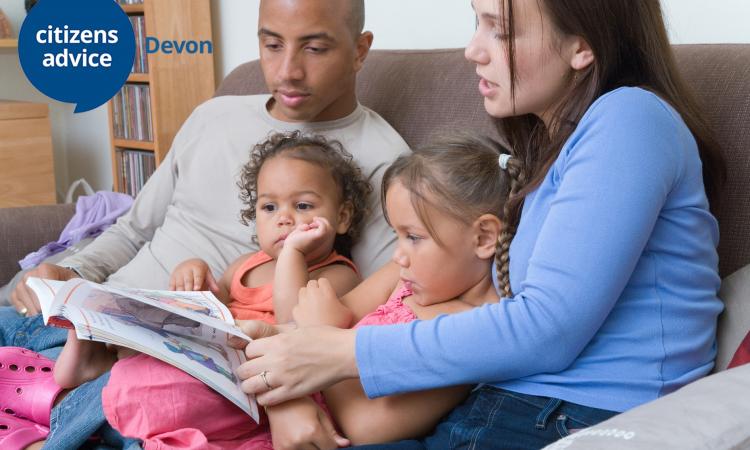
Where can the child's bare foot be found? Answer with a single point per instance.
(81, 361)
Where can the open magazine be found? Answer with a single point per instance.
(188, 330)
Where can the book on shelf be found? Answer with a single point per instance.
(135, 168)
(188, 330)
(131, 113)
(140, 63)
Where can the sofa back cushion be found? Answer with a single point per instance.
(424, 92)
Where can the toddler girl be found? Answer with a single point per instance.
(307, 199)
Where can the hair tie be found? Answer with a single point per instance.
(503, 160)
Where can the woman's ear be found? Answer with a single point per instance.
(487, 229)
(346, 211)
(581, 55)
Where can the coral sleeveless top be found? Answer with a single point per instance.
(256, 303)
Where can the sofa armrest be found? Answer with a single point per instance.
(25, 229)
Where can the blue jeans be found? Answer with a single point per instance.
(495, 418)
(79, 415)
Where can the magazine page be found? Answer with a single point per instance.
(46, 291)
(196, 348)
(201, 306)
(108, 315)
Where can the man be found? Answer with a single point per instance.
(310, 52)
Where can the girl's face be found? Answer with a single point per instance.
(542, 58)
(292, 192)
(436, 272)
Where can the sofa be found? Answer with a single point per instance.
(423, 92)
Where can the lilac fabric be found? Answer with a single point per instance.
(94, 213)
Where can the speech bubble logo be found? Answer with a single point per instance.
(77, 51)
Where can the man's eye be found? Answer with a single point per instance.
(273, 47)
(318, 50)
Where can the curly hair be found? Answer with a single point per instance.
(328, 154)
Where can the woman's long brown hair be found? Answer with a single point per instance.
(631, 48)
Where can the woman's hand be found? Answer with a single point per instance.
(301, 423)
(296, 361)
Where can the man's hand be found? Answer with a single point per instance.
(24, 299)
(302, 424)
(318, 305)
(296, 361)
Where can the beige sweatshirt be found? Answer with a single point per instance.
(190, 206)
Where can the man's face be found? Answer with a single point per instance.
(309, 58)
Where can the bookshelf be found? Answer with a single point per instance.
(163, 89)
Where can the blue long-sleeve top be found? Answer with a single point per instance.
(614, 272)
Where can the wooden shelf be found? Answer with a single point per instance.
(138, 78)
(177, 83)
(133, 9)
(127, 143)
(8, 43)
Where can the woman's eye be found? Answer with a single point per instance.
(413, 237)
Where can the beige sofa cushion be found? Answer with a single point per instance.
(711, 413)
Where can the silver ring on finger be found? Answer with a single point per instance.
(263, 376)
(23, 311)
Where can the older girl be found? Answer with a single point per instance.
(612, 276)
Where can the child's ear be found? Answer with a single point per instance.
(487, 229)
(346, 211)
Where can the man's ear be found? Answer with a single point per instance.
(581, 55)
(364, 42)
(486, 229)
(346, 212)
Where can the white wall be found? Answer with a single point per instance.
(81, 140)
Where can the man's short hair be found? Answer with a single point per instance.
(356, 17)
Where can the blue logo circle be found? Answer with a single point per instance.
(77, 51)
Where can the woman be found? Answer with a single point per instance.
(611, 277)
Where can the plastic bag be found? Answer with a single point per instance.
(83, 184)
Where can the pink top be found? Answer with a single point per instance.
(391, 312)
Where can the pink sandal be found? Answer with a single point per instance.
(27, 387)
(17, 433)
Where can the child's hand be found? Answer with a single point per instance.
(308, 238)
(193, 275)
(318, 305)
(301, 423)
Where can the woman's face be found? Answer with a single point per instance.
(542, 58)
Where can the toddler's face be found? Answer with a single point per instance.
(292, 192)
(436, 272)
